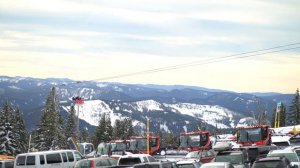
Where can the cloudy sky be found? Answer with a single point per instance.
(97, 40)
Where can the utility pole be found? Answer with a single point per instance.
(148, 136)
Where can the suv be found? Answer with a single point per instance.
(130, 160)
(289, 153)
(273, 162)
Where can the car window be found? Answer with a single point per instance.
(145, 160)
(129, 161)
(21, 161)
(151, 159)
(9, 164)
(83, 164)
(53, 158)
(42, 160)
(30, 160)
(269, 164)
(78, 156)
(293, 157)
(64, 156)
(70, 156)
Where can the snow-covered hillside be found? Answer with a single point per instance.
(218, 116)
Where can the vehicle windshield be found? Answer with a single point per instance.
(187, 141)
(268, 164)
(129, 161)
(249, 135)
(234, 159)
(291, 156)
(119, 146)
(193, 155)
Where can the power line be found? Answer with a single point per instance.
(207, 61)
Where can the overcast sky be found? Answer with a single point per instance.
(94, 39)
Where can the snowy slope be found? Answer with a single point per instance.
(218, 116)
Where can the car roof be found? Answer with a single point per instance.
(217, 163)
(286, 150)
(46, 152)
(135, 155)
(186, 161)
(269, 159)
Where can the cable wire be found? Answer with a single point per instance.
(206, 61)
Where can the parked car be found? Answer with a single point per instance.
(217, 165)
(7, 163)
(289, 153)
(45, 159)
(236, 158)
(273, 162)
(166, 164)
(204, 156)
(188, 163)
(130, 160)
(96, 162)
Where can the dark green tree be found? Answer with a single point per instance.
(70, 129)
(98, 135)
(49, 132)
(108, 129)
(118, 132)
(201, 126)
(294, 110)
(84, 136)
(8, 144)
(21, 132)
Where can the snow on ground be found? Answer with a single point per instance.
(92, 110)
(164, 127)
(212, 115)
(149, 105)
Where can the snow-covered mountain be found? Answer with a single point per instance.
(170, 108)
(91, 111)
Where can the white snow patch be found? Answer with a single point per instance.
(148, 105)
(14, 87)
(101, 85)
(164, 127)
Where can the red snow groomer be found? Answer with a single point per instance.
(194, 141)
(259, 135)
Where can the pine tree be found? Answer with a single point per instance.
(98, 136)
(21, 132)
(70, 129)
(108, 129)
(49, 133)
(118, 130)
(294, 110)
(128, 128)
(8, 144)
(201, 126)
(84, 137)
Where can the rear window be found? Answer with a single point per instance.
(83, 163)
(21, 161)
(129, 161)
(269, 164)
(53, 158)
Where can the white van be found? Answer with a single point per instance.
(47, 159)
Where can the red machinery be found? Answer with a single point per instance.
(139, 144)
(194, 141)
(259, 135)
